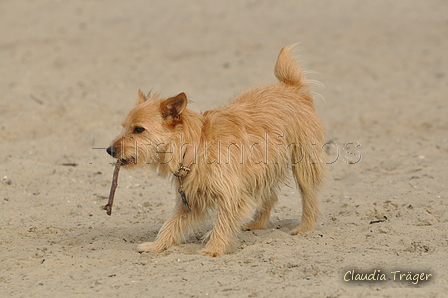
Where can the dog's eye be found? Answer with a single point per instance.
(139, 129)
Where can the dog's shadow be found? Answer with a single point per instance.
(138, 234)
(284, 225)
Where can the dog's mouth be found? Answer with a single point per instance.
(126, 161)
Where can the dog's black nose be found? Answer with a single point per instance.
(111, 150)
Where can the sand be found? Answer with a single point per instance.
(70, 71)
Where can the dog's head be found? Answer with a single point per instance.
(148, 130)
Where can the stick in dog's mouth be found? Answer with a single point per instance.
(126, 161)
(108, 206)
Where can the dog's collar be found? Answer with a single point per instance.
(184, 168)
(187, 160)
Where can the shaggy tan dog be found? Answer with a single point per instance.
(229, 163)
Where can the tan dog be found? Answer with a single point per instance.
(229, 162)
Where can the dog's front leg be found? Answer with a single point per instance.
(232, 214)
(172, 231)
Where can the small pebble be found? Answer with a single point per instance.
(6, 180)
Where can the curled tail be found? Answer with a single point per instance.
(287, 69)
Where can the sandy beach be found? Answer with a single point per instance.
(69, 74)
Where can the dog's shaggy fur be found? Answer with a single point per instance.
(242, 154)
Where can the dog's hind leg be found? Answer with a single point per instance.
(263, 212)
(309, 176)
(310, 210)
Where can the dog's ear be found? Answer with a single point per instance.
(141, 97)
(173, 107)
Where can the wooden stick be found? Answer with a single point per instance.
(108, 206)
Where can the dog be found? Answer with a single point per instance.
(229, 163)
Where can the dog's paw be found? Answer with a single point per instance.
(254, 226)
(213, 250)
(301, 229)
(151, 246)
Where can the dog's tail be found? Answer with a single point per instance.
(288, 70)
